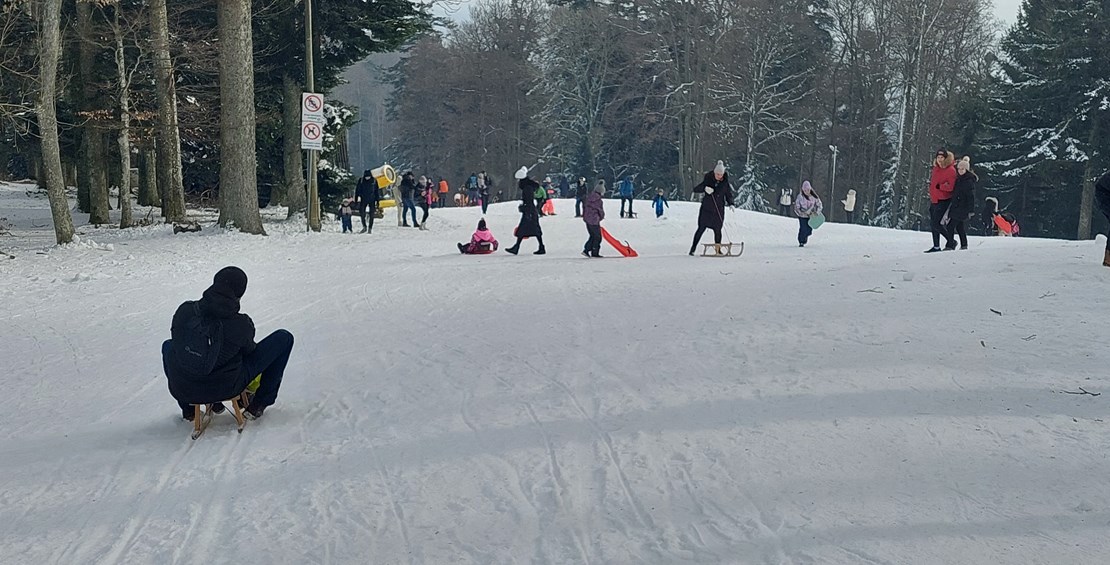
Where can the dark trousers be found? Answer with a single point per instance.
(406, 205)
(851, 216)
(539, 239)
(629, 200)
(936, 214)
(539, 205)
(346, 219)
(424, 207)
(443, 200)
(593, 244)
(958, 228)
(485, 203)
(366, 210)
(784, 209)
(698, 234)
(804, 231)
(577, 207)
(268, 359)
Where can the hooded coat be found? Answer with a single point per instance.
(943, 179)
(219, 303)
(367, 189)
(594, 209)
(963, 196)
(1102, 194)
(529, 218)
(712, 214)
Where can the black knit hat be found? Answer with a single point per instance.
(482, 224)
(232, 279)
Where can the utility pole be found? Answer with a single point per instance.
(832, 182)
(310, 86)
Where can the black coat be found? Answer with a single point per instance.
(963, 197)
(367, 190)
(582, 190)
(712, 214)
(1102, 195)
(529, 217)
(225, 380)
(408, 188)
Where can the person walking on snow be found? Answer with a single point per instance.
(1102, 199)
(592, 214)
(443, 192)
(718, 194)
(785, 201)
(481, 242)
(529, 218)
(345, 215)
(942, 182)
(203, 370)
(366, 198)
(541, 195)
(626, 189)
(806, 206)
(564, 187)
(963, 201)
(408, 199)
(426, 193)
(472, 189)
(484, 188)
(660, 201)
(849, 203)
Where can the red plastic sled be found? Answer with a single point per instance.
(621, 248)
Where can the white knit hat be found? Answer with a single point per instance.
(521, 173)
(720, 168)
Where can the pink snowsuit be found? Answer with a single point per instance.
(480, 237)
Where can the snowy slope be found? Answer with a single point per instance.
(855, 401)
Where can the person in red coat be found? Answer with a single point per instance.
(941, 184)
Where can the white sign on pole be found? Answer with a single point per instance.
(312, 121)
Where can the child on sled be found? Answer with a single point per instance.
(481, 243)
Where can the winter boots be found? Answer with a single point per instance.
(540, 251)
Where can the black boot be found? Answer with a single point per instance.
(540, 251)
(514, 249)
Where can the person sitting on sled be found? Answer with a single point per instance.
(481, 243)
(660, 201)
(211, 355)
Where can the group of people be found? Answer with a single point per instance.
(951, 200)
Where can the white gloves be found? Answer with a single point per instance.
(709, 190)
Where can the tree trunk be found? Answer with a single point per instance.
(96, 156)
(169, 137)
(293, 189)
(49, 50)
(124, 138)
(1087, 198)
(238, 161)
(148, 179)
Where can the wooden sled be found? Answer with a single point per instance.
(721, 250)
(202, 417)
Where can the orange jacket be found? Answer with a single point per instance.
(443, 187)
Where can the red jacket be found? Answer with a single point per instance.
(943, 180)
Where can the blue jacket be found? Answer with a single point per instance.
(626, 187)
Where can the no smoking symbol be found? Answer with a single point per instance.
(313, 103)
(312, 132)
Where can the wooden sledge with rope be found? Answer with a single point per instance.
(721, 249)
(201, 417)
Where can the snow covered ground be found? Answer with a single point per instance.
(855, 401)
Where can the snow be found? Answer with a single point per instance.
(855, 401)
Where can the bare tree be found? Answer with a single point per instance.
(168, 164)
(93, 180)
(49, 47)
(238, 161)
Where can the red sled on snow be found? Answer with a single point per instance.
(621, 248)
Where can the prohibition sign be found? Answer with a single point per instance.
(312, 132)
(313, 103)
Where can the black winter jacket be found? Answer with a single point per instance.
(712, 214)
(963, 197)
(1102, 194)
(367, 190)
(529, 217)
(225, 381)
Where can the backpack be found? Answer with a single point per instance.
(197, 347)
